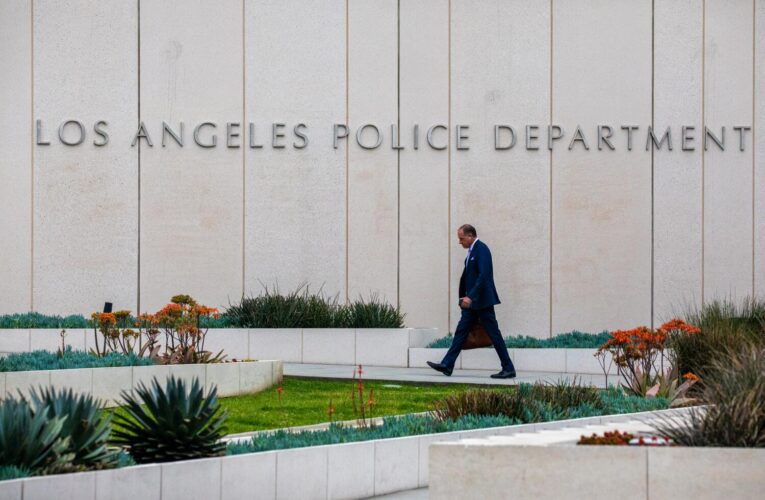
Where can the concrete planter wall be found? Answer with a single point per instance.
(106, 383)
(528, 360)
(353, 470)
(366, 346)
(597, 472)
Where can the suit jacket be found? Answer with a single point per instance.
(477, 281)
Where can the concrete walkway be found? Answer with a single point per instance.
(427, 375)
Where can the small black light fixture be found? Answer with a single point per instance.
(107, 307)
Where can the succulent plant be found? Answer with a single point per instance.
(87, 428)
(173, 423)
(32, 441)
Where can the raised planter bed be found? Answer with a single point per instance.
(555, 467)
(107, 383)
(527, 360)
(366, 346)
(353, 470)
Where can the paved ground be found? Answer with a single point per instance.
(419, 494)
(431, 376)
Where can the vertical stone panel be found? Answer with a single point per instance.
(373, 174)
(759, 151)
(728, 175)
(191, 197)
(601, 220)
(678, 75)
(425, 234)
(295, 199)
(85, 197)
(16, 158)
(501, 75)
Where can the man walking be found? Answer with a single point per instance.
(478, 296)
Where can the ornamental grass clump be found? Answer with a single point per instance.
(725, 325)
(734, 394)
(302, 308)
(527, 403)
(373, 313)
(170, 423)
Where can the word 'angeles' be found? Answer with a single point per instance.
(370, 136)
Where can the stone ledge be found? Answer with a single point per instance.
(382, 466)
(107, 383)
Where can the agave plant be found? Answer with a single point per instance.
(173, 423)
(13, 472)
(87, 428)
(32, 441)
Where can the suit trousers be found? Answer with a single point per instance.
(489, 321)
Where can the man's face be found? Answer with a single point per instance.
(464, 239)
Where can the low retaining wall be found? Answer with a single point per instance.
(538, 472)
(106, 384)
(395, 347)
(353, 470)
(527, 360)
(346, 346)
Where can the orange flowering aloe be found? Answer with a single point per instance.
(180, 321)
(643, 359)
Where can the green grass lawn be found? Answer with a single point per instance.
(306, 401)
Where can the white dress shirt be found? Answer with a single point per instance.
(470, 250)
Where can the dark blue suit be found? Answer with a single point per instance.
(477, 283)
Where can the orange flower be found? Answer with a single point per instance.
(679, 325)
(107, 319)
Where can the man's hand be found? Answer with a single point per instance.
(465, 301)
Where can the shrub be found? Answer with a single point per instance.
(725, 325)
(374, 313)
(173, 423)
(46, 360)
(613, 438)
(543, 402)
(303, 309)
(37, 320)
(32, 441)
(571, 340)
(734, 391)
(86, 427)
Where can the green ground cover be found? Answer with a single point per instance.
(570, 340)
(46, 360)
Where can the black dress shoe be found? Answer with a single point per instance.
(441, 368)
(504, 374)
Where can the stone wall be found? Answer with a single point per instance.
(582, 239)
